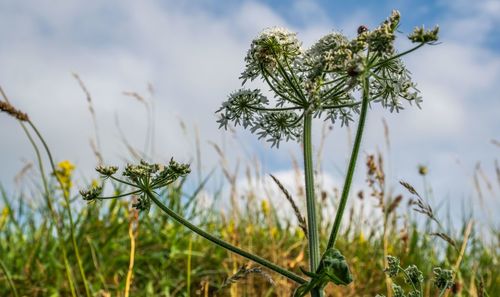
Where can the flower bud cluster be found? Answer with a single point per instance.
(443, 278)
(393, 266)
(420, 35)
(414, 276)
(106, 171)
(91, 194)
(144, 177)
(381, 40)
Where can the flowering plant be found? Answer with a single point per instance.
(325, 80)
(337, 78)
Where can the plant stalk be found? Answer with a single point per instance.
(68, 208)
(312, 225)
(352, 163)
(292, 276)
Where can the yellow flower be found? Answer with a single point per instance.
(3, 218)
(362, 238)
(64, 173)
(264, 206)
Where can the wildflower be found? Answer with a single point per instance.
(91, 194)
(393, 266)
(143, 203)
(273, 48)
(278, 126)
(381, 39)
(64, 173)
(420, 35)
(106, 171)
(265, 207)
(398, 291)
(240, 108)
(443, 278)
(414, 275)
(329, 54)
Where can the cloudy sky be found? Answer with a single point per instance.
(192, 53)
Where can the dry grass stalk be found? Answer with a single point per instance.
(19, 176)
(133, 230)
(243, 272)
(96, 147)
(386, 134)
(467, 233)
(446, 238)
(296, 210)
(497, 171)
(5, 106)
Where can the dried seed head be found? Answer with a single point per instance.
(11, 110)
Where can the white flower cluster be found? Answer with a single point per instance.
(324, 79)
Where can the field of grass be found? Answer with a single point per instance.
(170, 261)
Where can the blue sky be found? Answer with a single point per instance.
(192, 53)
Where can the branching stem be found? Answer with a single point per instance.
(292, 276)
(352, 163)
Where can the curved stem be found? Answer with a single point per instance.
(292, 276)
(68, 208)
(312, 225)
(352, 163)
(58, 223)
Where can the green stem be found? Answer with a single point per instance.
(352, 164)
(290, 98)
(276, 109)
(58, 223)
(9, 279)
(122, 181)
(68, 208)
(292, 276)
(409, 280)
(119, 196)
(397, 56)
(312, 225)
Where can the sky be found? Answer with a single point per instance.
(191, 53)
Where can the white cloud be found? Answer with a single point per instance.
(193, 58)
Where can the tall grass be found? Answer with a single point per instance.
(169, 261)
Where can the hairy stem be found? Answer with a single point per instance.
(352, 163)
(292, 276)
(312, 225)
